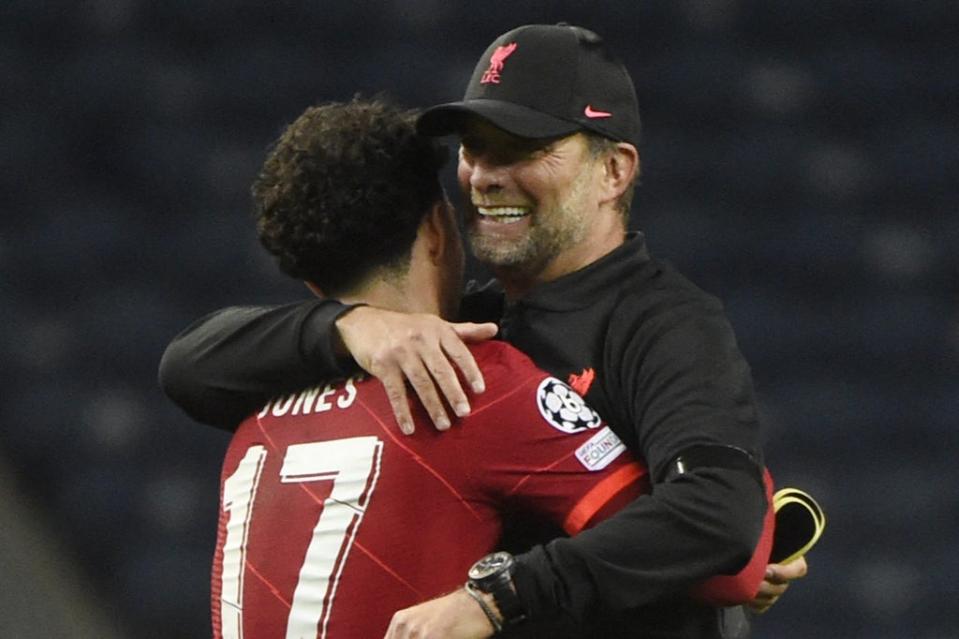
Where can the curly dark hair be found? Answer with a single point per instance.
(343, 191)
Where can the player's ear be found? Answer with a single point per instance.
(436, 229)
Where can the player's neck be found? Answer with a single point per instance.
(394, 294)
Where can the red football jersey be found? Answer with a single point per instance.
(331, 520)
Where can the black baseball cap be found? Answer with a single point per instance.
(540, 81)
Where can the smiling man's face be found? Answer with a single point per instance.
(529, 200)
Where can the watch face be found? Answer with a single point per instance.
(490, 565)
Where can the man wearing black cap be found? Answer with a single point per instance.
(549, 127)
(543, 81)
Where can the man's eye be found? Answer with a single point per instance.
(544, 145)
(530, 148)
(536, 150)
(470, 146)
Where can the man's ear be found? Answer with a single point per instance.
(620, 169)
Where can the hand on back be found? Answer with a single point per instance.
(423, 350)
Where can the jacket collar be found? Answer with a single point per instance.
(582, 288)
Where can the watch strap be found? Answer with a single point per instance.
(477, 596)
(501, 588)
(493, 575)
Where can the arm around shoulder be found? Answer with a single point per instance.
(226, 364)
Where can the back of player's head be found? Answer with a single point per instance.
(343, 191)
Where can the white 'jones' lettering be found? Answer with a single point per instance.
(313, 400)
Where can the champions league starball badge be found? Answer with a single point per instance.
(563, 408)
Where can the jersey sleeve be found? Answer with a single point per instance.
(558, 459)
(230, 362)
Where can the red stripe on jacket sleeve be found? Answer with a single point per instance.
(741, 588)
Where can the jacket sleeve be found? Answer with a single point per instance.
(229, 363)
(682, 383)
(659, 546)
(742, 587)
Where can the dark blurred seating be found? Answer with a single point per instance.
(800, 161)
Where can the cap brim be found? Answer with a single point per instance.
(445, 119)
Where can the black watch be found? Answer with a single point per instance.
(493, 574)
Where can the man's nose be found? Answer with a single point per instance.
(485, 175)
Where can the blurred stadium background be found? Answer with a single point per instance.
(800, 160)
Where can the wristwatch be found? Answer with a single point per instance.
(493, 575)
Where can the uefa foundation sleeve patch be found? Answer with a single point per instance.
(601, 449)
(563, 408)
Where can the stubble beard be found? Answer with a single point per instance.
(550, 233)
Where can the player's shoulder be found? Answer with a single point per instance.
(505, 369)
(496, 354)
(536, 398)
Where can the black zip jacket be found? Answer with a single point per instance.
(657, 359)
